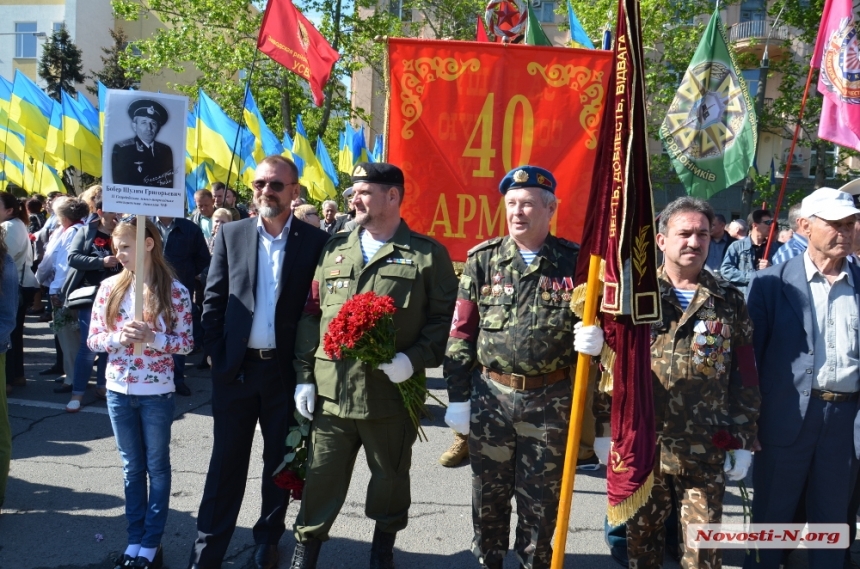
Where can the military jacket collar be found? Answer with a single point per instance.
(708, 287)
(509, 252)
(400, 240)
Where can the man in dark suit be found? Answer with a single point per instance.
(142, 160)
(805, 314)
(186, 250)
(258, 283)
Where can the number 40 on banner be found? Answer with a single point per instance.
(485, 152)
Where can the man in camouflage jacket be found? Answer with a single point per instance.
(704, 382)
(509, 366)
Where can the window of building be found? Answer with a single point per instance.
(831, 157)
(395, 7)
(751, 76)
(545, 11)
(58, 26)
(752, 10)
(25, 39)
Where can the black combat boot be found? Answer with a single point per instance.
(382, 550)
(306, 554)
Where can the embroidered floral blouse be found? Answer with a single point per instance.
(152, 372)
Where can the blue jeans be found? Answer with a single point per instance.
(141, 425)
(84, 359)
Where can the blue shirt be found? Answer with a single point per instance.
(791, 248)
(716, 252)
(270, 261)
(369, 246)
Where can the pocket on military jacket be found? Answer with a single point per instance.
(554, 316)
(396, 281)
(494, 311)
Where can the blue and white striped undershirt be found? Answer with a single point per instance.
(528, 256)
(369, 245)
(685, 297)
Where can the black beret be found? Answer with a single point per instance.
(527, 177)
(149, 109)
(377, 173)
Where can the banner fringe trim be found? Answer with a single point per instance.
(627, 508)
(607, 362)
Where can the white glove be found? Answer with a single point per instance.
(587, 339)
(306, 394)
(458, 416)
(601, 449)
(743, 459)
(399, 369)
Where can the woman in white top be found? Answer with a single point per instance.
(140, 387)
(21, 250)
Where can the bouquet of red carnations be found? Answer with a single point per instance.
(364, 330)
(290, 475)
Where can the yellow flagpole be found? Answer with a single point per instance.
(580, 386)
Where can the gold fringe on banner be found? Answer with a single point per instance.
(607, 362)
(577, 302)
(622, 512)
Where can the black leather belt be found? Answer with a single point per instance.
(257, 354)
(835, 397)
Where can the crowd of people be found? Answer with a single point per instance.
(757, 341)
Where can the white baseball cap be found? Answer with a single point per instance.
(828, 204)
(852, 187)
(347, 193)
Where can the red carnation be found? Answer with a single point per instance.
(100, 242)
(725, 441)
(289, 480)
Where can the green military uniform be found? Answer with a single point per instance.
(357, 405)
(704, 382)
(513, 324)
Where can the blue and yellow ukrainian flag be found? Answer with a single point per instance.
(12, 144)
(265, 141)
(326, 163)
(312, 176)
(54, 151)
(81, 137)
(13, 171)
(378, 146)
(216, 135)
(287, 143)
(102, 99)
(30, 107)
(577, 33)
(5, 99)
(345, 159)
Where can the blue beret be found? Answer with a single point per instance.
(527, 177)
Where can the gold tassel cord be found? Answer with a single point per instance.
(621, 513)
(607, 362)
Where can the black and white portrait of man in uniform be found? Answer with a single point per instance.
(142, 160)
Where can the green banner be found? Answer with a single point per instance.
(710, 129)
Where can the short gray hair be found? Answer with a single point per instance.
(794, 215)
(327, 203)
(548, 198)
(685, 204)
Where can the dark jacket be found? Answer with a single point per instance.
(229, 303)
(186, 251)
(83, 260)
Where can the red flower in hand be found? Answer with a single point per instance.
(32, 237)
(100, 242)
(289, 480)
(725, 441)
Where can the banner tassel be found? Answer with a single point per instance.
(607, 364)
(622, 512)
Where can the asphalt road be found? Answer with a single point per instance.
(64, 502)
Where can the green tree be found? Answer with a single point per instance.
(60, 66)
(112, 74)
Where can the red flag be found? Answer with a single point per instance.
(290, 39)
(620, 229)
(481, 33)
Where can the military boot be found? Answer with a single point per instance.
(306, 554)
(382, 550)
(458, 451)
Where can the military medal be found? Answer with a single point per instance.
(556, 286)
(139, 166)
(568, 286)
(497, 284)
(486, 290)
(544, 284)
(338, 259)
(509, 289)
(339, 284)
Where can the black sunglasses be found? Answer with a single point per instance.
(767, 221)
(278, 187)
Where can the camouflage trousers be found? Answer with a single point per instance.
(699, 499)
(516, 448)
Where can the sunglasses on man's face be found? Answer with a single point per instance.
(766, 221)
(278, 187)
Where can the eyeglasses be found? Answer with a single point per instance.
(278, 187)
(767, 221)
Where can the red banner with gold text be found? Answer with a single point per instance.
(462, 114)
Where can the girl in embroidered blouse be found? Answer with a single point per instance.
(140, 388)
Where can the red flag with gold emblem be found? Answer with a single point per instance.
(290, 39)
(620, 229)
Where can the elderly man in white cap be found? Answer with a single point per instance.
(805, 316)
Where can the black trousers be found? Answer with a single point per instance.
(258, 393)
(15, 355)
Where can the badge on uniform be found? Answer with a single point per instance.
(497, 284)
(486, 290)
(568, 288)
(338, 259)
(543, 283)
(334, 273)
(509, 289)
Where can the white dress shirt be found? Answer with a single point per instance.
(270, 260)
